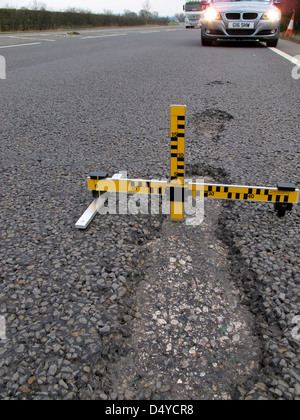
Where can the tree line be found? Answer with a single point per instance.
(25, 20)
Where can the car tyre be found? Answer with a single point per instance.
(272, 42)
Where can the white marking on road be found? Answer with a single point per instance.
(26, 37)
(286, 56)
(148, 32)
(20, 45)
(101, 36)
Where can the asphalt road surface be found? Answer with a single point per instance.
(135, 307)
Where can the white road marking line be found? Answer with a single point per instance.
(26, 37)
(286, 56)
(20, 45)
(101, 36)
(18, 36)
(148, 32)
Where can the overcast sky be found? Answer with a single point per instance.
(163, 7)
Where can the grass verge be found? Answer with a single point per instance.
(295, 37)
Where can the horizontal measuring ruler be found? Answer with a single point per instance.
(284, 193)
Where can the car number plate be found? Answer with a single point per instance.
(240, 25)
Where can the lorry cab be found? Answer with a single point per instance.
(193, 11)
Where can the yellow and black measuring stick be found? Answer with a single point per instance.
(177, 162)
(284, 196)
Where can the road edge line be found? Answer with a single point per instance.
(20, 45)
(286, 56)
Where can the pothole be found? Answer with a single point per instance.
(210, 123)
(191, 337)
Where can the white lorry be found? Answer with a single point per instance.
(193, 13)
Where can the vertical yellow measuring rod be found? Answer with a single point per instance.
(177, 161)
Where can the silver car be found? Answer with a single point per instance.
(241, 19)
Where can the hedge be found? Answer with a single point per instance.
(25, 20)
